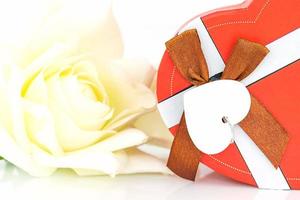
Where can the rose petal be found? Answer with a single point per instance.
(86, 72)
(127, 95)
(17, 129)
(87, 112)
(37, 91)
(124, 139)
(71, 137)
(12, 152)
(40, 127)
(103, 161)
(124, 91)
(124, 118)
(89, 23)
(139, 71)
(105, 157)
(140, 162)
(153, 126)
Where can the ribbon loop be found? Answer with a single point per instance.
(244, 58)
(186, 53)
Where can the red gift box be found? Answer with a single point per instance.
(275, 83)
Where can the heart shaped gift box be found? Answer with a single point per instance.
(275, 83)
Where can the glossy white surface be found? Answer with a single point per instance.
(145, 25)
(66, 185)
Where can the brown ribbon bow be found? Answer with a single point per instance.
(186, 54)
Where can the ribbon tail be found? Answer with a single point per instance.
(270, 137)
(184, 156)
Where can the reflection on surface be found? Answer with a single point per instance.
(65, 184)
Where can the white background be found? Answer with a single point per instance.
(145, 26)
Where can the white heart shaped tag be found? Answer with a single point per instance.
(207, 106)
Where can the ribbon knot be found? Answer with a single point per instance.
(186, 54)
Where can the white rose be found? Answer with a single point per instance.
(66, 98)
